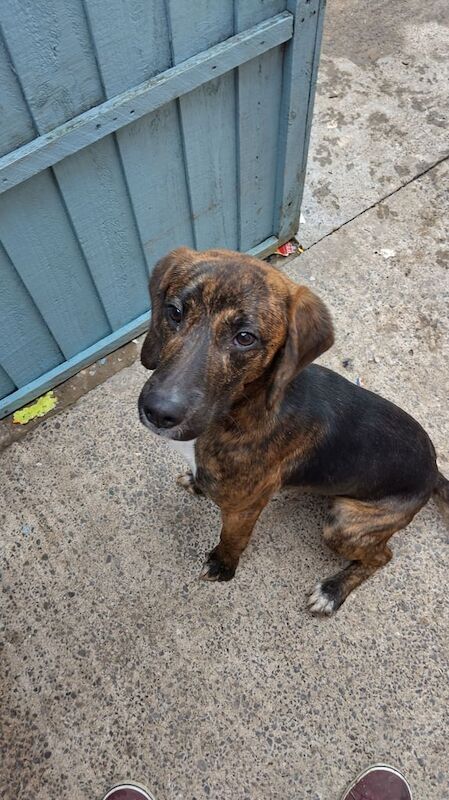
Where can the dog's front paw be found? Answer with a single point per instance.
(216, 570)
(187, 481)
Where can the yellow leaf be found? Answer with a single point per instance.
(39, 408)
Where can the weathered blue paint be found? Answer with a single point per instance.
(113, 114)
(6, 384)
(300, 68)
(132, 128)
(93, 187)
(137, 49)
(16, 126)
(40, 242)
(73, 365)
(30, 348)
(258, 97)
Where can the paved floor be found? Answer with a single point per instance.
(117, 661)
(382, 108)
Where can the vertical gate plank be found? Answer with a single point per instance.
(251, 12)
(95, 194)
(131, 41)
(51, 50)
(153, 162)
(16, 124)
(300, 68)
(259, 88)
(150, 148)
(39, 241)
(196, 29)
(208, 123)
(259, 98)
(6, 384)
(31, 348)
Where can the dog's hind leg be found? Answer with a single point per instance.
(359, 531)
(441, 495)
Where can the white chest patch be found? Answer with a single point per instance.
(187, 450)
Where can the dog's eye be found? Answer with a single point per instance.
(244, 339)
(174, 314)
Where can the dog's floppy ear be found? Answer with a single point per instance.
(160, 277)
(310, 333)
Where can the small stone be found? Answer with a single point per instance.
(387, 253)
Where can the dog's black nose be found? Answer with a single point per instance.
(164, 411)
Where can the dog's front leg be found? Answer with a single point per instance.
(238, 525)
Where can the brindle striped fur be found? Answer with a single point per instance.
(263, 416)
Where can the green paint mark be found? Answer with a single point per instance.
(39, 408)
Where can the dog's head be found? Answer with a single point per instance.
(221, 322)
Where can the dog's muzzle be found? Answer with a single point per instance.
(162, 410)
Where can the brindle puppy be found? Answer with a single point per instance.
(230, 342)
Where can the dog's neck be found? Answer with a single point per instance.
(249, 411)
(187, 450)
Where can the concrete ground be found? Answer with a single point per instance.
(118, 663)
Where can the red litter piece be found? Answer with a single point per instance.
(287, 249)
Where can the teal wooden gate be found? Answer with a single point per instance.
(127, 128)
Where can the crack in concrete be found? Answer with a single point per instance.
(377, 202)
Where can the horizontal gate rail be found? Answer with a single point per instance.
(92, 125)
(73, 365)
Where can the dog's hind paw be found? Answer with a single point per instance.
(187, 481)
(215, 570)
(322, 601)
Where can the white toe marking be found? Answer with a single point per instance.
(319, 602)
